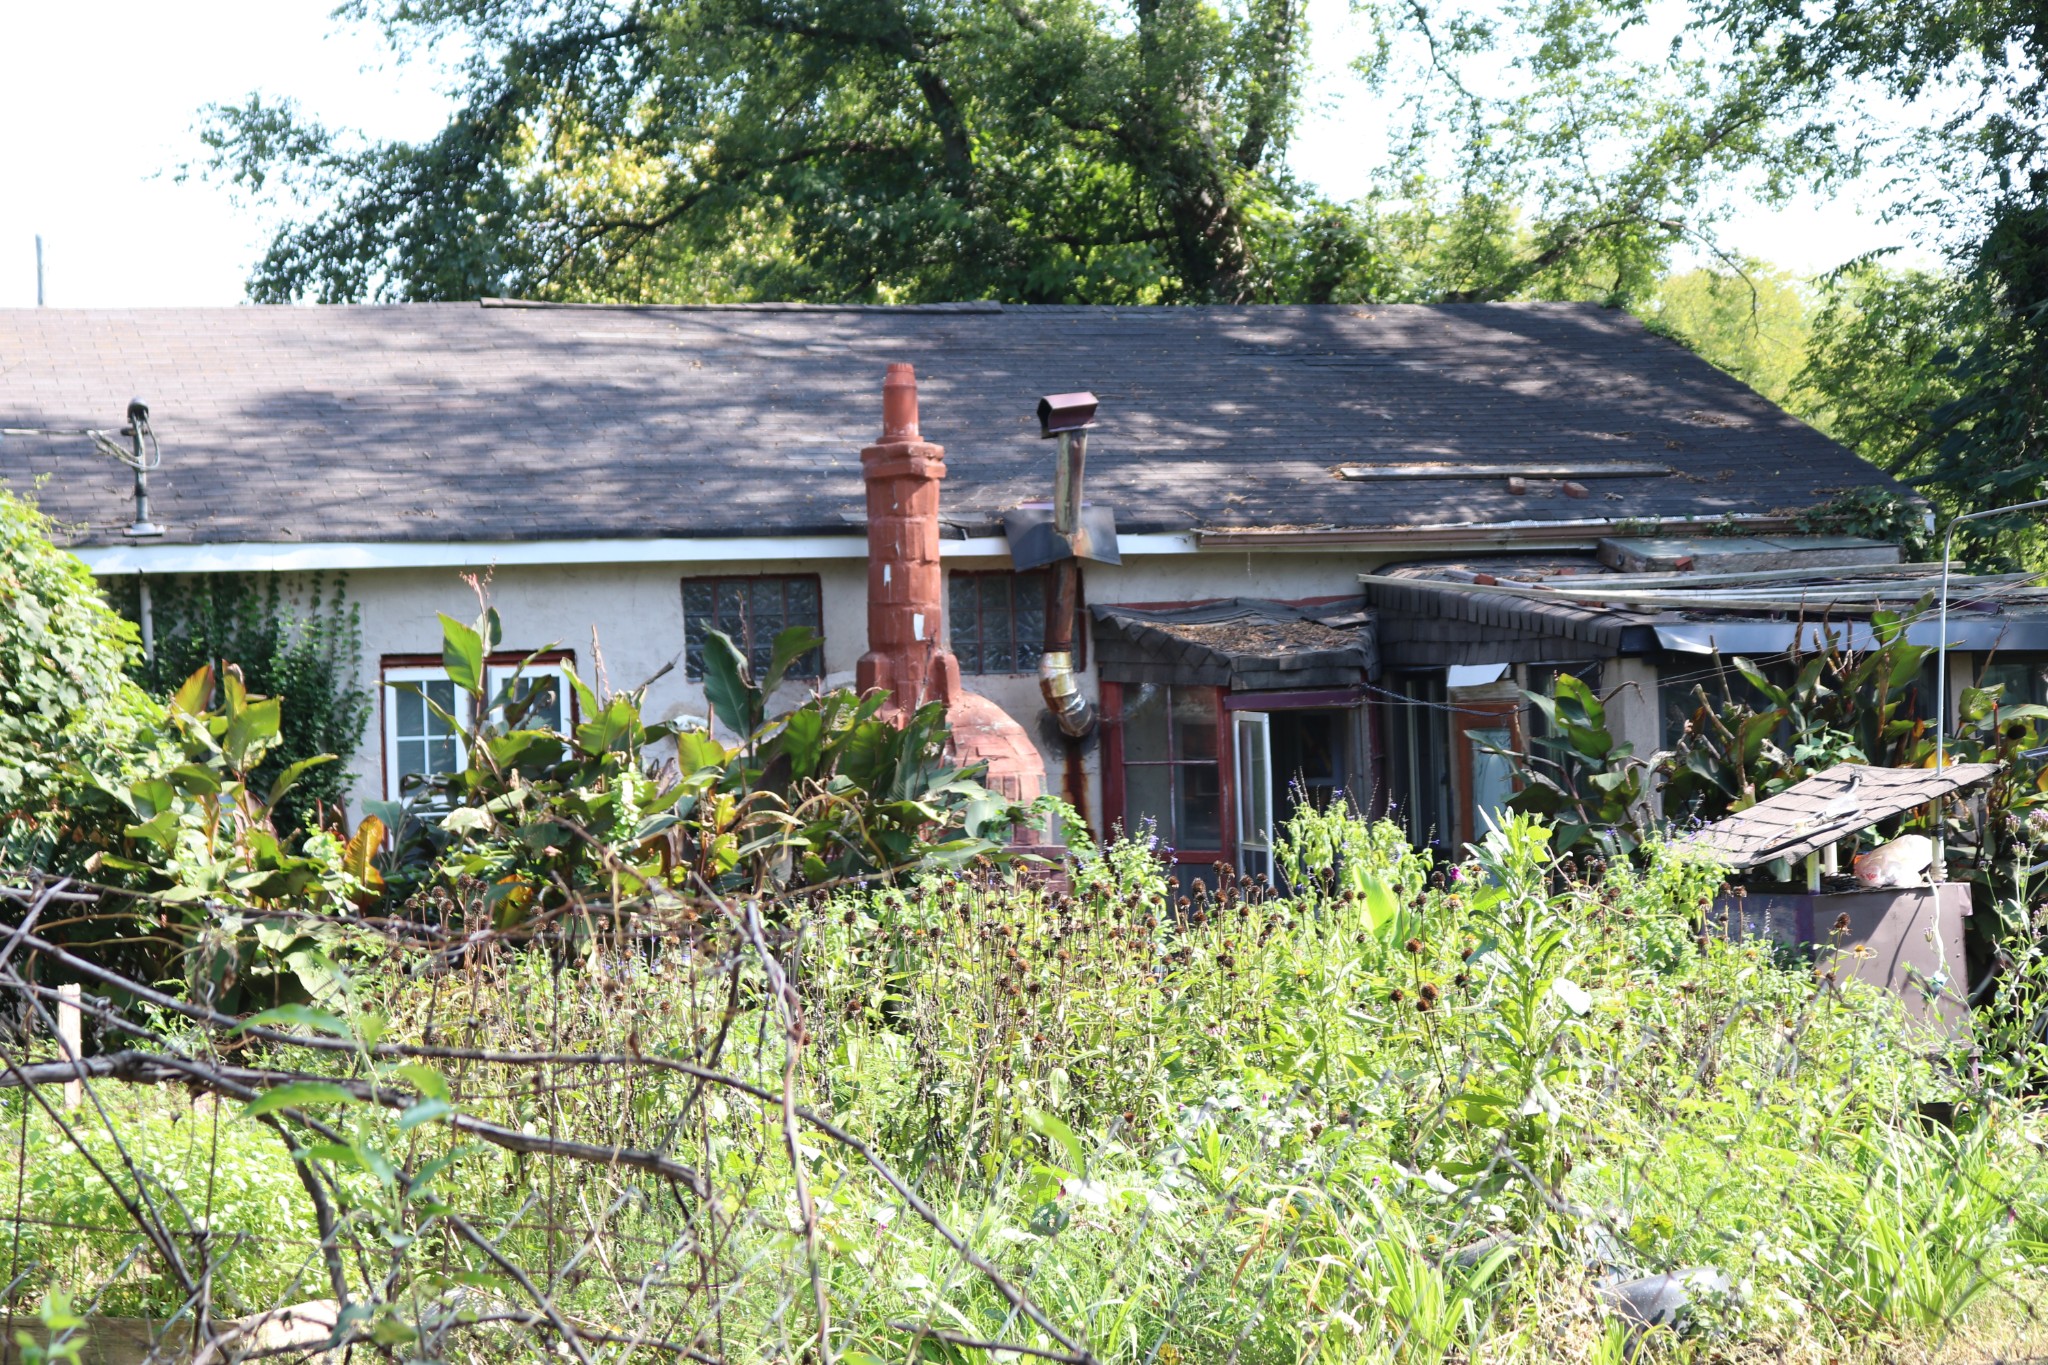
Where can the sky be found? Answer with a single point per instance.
(102, 102)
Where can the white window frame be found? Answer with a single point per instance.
(394, 777)
(497, 675)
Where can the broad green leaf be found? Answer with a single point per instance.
(696, 750)
(462, 654)
(195, 695)
(803, 740)
(1572, 995)
(304, 1015)
(298, 1095)
(423, 1078)
(731, 696)
(790, 645)
(1050, 1126)
(289, 778)
(426, 1111)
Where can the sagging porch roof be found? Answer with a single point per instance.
(1567, 609)
(1242, 643)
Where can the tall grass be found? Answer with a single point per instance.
(1389, 1114)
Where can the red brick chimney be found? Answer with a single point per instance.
(906, 590)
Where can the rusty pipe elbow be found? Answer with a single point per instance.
(1072, 712)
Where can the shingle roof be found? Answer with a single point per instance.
(1826, 808)
(439, 422)
(1243, 643)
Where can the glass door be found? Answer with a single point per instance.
(1254, 793)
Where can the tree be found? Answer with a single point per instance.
(1979, 71)
(70, 718)
(1022, 150)
(883, 150)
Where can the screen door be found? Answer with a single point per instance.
(1254, 794)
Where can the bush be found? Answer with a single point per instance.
(303, 647)
(70, 716)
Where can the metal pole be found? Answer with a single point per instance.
(1948, 544)
(39, 270)
(147, 617)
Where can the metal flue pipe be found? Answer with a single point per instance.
(1072, 712)
(1068, 417)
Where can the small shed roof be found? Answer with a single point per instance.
(1243, 643)
(1827, 807)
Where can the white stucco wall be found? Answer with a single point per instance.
(636, 612)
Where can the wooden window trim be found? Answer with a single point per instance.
(1113, 786)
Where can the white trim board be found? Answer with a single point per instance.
(322, 556)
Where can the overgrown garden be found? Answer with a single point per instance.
(635, 1044)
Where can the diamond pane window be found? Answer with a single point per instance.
(752, 611)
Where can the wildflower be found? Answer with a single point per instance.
(1422, 1007)
(1461, 980)
(1414, 946)
(1428, 992)
(1397, 995)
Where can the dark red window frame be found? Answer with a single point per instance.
(1113, 786)
(502, 659)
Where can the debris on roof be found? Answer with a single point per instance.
(1810, 598)
(1827, 808)
(1725, 554)
(1574, 469)
(1248, 644)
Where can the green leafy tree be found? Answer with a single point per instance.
(70, 717)
(839, 149)
(1021, 150)
(1970, 425)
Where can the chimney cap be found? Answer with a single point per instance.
(1059, 413)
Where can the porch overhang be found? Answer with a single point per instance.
(1244, 644)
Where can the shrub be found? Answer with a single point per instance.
(70, 716)
(302, 646)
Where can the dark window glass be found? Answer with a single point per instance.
(996, 621)
(752, 611)
(1171, 777)
(2021, 678)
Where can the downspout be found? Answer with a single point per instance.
(146, 618)
(1072, 712)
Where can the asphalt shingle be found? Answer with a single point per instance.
(438, 422)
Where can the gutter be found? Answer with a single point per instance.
(328, 556)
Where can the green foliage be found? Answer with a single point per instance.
(1035, 151)
(69, 716)
(302, 646)
(1967, 424)
(828, 792)
(1744, 743)
(971, 149)
(1257, 1124)
(1589, 785)
(1755, 323)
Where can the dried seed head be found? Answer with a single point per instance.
(1414, 946)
